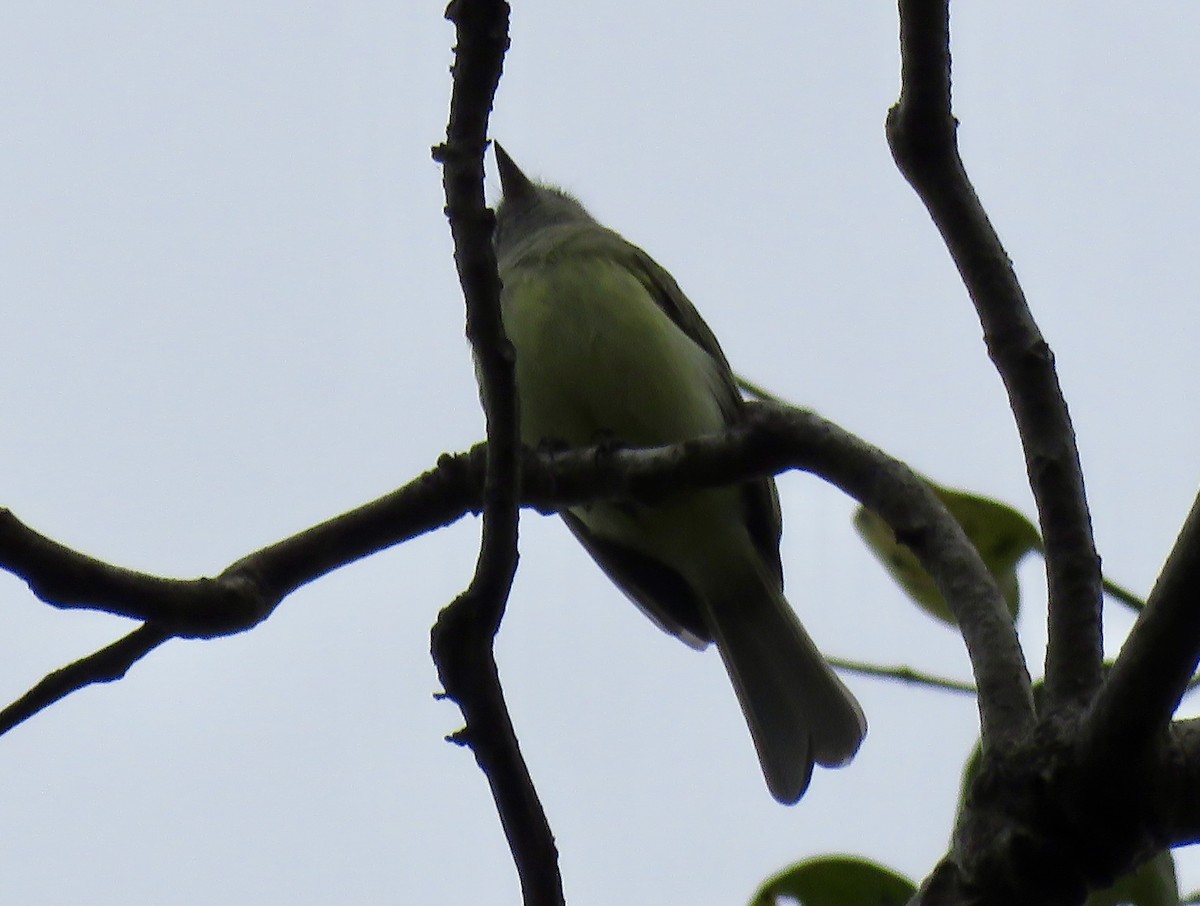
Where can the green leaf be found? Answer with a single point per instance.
(837, 881)
(1153, 884)
(1001, 535)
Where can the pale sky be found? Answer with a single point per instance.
(230, 312)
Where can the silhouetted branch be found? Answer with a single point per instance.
(240, 597)
(461, 641)
(104, 666)
(1152, 672)
(69, 579)
(1070, 807)
(248, 591)
(772, 439)
(921, 131)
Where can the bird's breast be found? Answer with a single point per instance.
(598, 358)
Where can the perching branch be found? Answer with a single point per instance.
(772, 439)
(921, 132)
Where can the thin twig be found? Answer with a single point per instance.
(903, 674)
(1123, 595)
(104, 666)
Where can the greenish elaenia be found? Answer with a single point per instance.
(609, 348)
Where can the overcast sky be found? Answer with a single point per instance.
(230, 311)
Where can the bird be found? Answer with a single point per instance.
(609, 349)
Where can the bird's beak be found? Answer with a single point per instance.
(513, 182)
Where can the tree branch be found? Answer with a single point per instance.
(461, 640)
(249, 590)
(1177, 795)
(901, 674)
(910, 508)
(921, 132)
(104, 666)
(240, 597)
(68, 579)
(772, 439)
(1151, 674)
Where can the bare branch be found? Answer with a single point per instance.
(243, 595)
(248, 591)
(772, 439)
(105, 666)
(1156, 662)
(71, 580)
(461, 640)
(921, 131)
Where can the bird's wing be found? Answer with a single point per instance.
(671, 299)
(762, 512)
(658, 591)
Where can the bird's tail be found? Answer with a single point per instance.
(798, 711)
